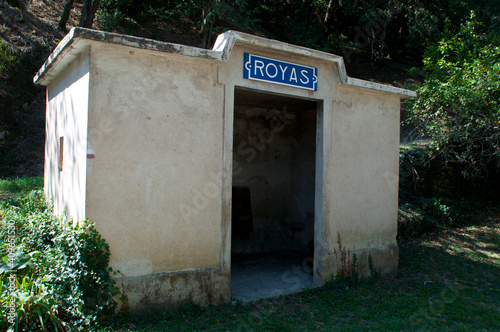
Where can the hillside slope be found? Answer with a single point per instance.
(27, 35)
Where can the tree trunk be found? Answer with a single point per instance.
(21, 8)
(95, 6)
(88, 13)
(327, 14)
(65, 15)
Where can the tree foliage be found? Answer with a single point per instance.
(381, 28)
(458, 105)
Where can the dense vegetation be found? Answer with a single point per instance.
(446, 180)
(382, 28)
(458, 106)
(62, 281)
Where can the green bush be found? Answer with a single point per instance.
(7, 58)
(62, 280)
(426, 200)
(420, 215)
(458, 106)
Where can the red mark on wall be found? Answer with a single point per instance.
(90, 156)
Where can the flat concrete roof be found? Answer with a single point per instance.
(79, 39)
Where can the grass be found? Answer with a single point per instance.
(447, 281)
(13, 190)
(19, 186)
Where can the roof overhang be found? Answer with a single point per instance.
(79, 39)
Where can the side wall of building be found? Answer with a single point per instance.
(66, 139)
(154, 186)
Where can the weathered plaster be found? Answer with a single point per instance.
(155, 293)
(157, 150)
(363, 187)
(79, 38)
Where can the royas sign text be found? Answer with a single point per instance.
(264, 69)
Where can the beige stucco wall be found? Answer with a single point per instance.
(363, 176)
(357, 168)
(154, 186)
(66, 116)
(155, 128)
(356, 165)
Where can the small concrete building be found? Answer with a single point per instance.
(191, 160)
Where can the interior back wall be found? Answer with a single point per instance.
(276, 162)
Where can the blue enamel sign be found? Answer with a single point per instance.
(263, 69)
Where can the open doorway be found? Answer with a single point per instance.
(273, 194)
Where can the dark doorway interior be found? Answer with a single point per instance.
(274, 156)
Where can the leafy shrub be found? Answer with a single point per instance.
(413, 160)
(62, 280)
(423, 206)
(347, 272)
(458, 105)
(6, 58)
(423, 215)
(432, 198)
(109, 21)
